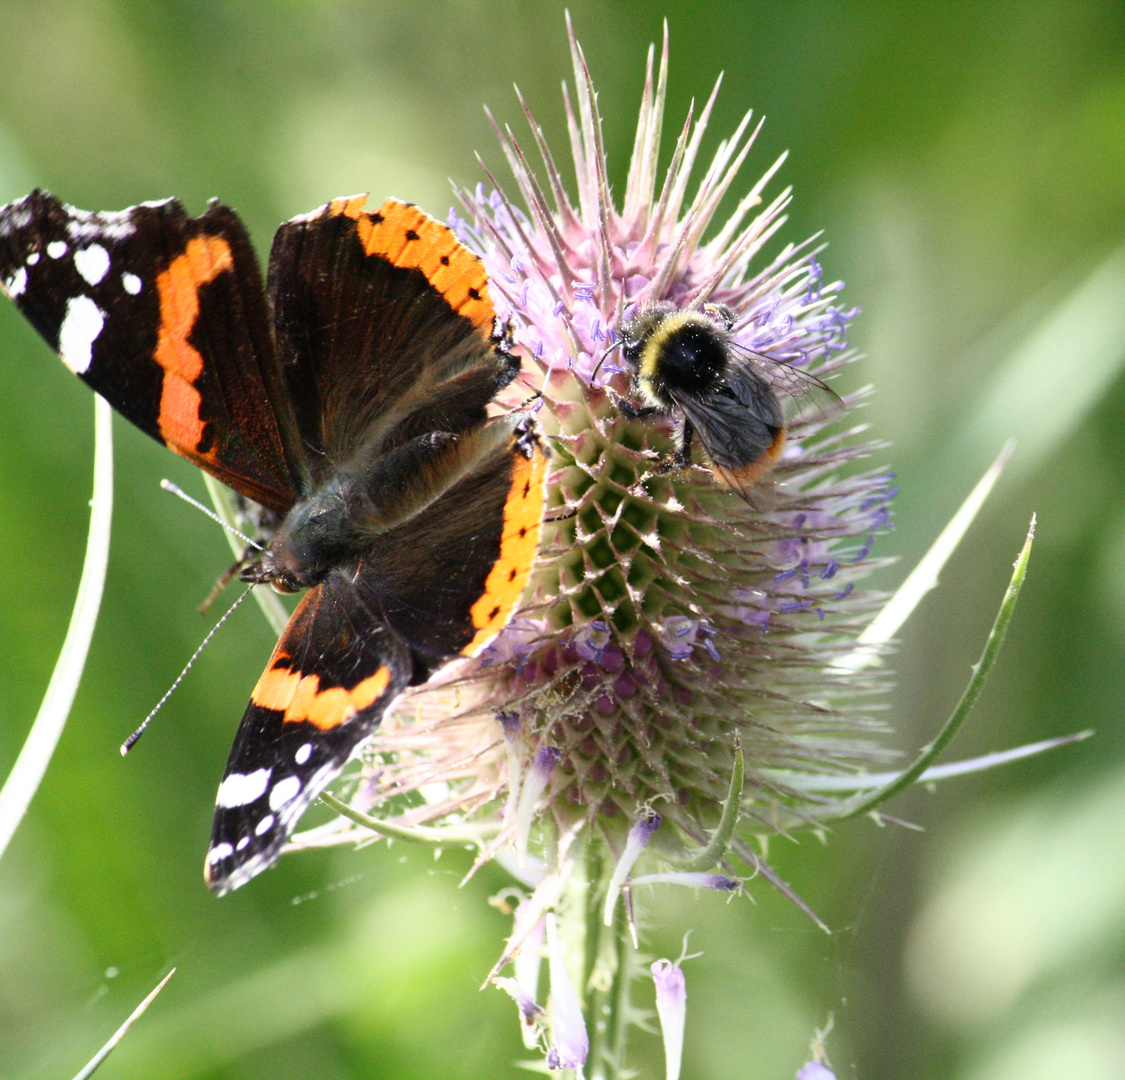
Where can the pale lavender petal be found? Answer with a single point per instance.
(671, 1007)
(570, 1042)
(815, 1070)
(639, 836)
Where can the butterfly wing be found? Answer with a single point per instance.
(165, 316)
(335, 671)
(449, 579)
(385, 328)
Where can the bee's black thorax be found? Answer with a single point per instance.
(689, 360)
(674, 354)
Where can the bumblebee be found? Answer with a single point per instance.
(685, 362)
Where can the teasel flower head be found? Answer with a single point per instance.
(671, 625)
(674, 664)
(670, 621)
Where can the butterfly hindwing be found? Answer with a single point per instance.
(385, 327)
(333, 675)
(469, 553)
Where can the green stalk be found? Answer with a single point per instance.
(864, 804)
(600, 969)
(446, 836)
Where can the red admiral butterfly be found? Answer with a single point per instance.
(349, 397)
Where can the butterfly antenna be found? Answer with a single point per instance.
(130, 742)
(175, 489)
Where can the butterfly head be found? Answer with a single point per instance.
(309, 543)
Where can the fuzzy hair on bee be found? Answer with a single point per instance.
(685, 362)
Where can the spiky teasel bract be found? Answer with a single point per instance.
(671, 630)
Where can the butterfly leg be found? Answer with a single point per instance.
(248, 553)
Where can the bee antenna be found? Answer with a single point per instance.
(130, 742)
(597, 367)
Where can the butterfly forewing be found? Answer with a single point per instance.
(164, 316)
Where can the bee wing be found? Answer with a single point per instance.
(742, 424)
(740, 438)
(802, 398)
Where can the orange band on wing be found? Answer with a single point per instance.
(204, 258)
(303, 702)
(519, 542)
(409, 237)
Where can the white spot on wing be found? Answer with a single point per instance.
(303, 754)
(284, 791)
(57, 249)
(131, 283)
(238, 789)
(80, 329)
(312, 788)
(265, 825)
(33, 258)
(241, 845)
(110, 224)
(17, 217)
(16, 284)
(219, 852)
(92, 263)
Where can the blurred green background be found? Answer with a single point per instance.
(967, 162)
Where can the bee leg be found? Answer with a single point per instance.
(721, 312)
(681, 458)
(627, 408)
